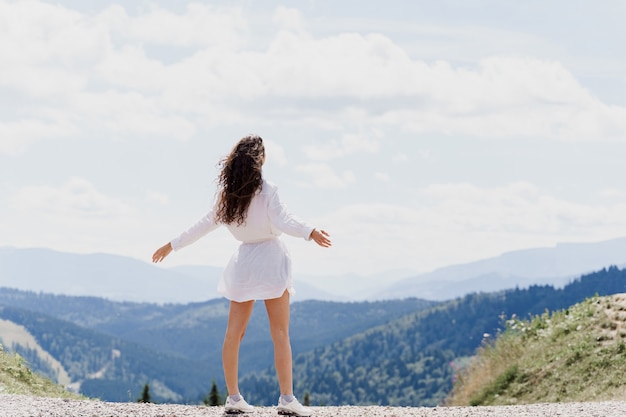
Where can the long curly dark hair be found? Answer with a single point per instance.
(240, 178)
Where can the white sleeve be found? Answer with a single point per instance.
(202, 227)
(286, 222)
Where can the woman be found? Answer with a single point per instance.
(260, 269)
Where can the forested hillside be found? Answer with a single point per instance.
(111, 368)
(191, 334)
(410, 360)
(195, 330)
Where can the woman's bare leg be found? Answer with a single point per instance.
(238, 316)
(278, 314)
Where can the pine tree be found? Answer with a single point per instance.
(145, 395)
(214, 398)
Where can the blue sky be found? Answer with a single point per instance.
(419, 134)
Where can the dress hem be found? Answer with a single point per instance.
(291, 290)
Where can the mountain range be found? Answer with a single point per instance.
(126, 279)
(554, 266)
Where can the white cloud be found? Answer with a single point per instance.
(41, 46)
(223, 74)
(324, 152)
(509, 97)
(345, 65)
(15, 136)
(400, 158)
(382, 176)
(515, 208)
(201, 25)
(157, 197)
(30, 31)
(288, 19)
(359, 143)
(135, 113)
(324, 176)
(129, 67)
(349, 144)
(275, 153)
(75, 200)
(613, 193)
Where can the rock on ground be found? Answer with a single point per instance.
(25, 406)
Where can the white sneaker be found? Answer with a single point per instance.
(293, 408)
(238, 407)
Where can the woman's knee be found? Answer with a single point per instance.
(235, 334)
(280, 334)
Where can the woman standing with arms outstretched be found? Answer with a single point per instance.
(260, 269)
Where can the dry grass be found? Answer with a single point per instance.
(491, 361)
(17, 378)
(576, 354)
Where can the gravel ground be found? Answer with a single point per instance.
(25, 406)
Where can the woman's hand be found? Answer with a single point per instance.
(162, 252)
(321, 237)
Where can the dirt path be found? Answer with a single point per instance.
(24, 406)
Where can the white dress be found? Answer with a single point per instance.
(260, 268)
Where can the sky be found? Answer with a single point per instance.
(419, 134)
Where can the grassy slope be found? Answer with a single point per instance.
(576, 354)
(17, 378)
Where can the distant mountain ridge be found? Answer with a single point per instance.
(103, 275)
(116, 277)
(553, 266)
(125, 279)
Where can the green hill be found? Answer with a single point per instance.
(17, 378)
(575, 354)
